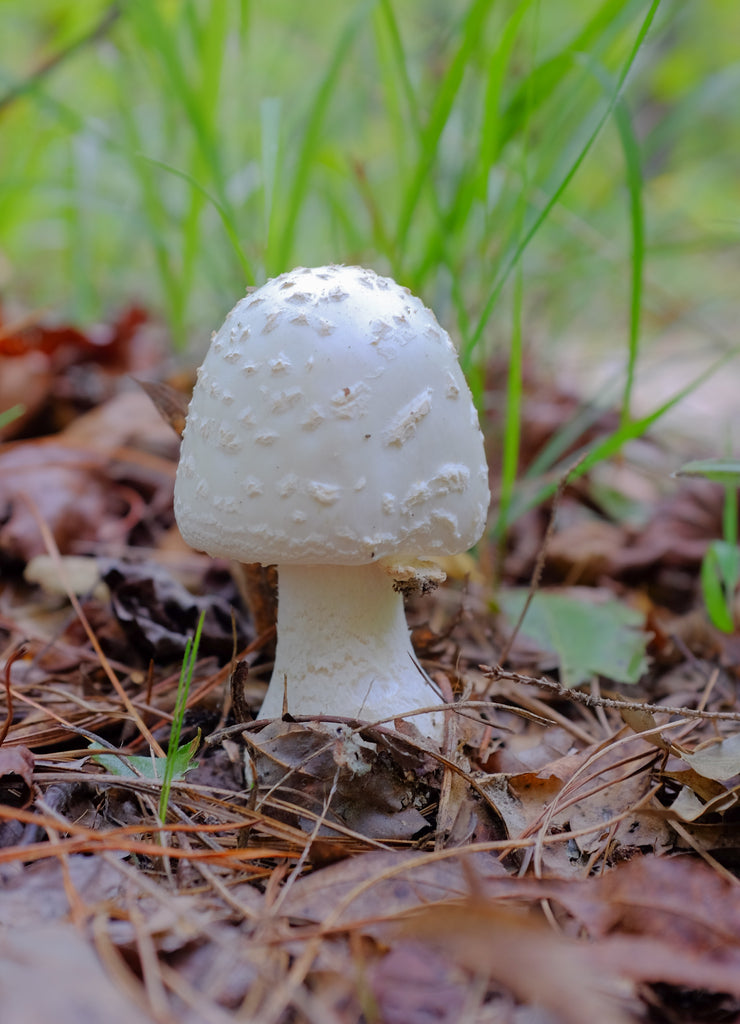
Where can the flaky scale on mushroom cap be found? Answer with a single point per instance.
(331, 422)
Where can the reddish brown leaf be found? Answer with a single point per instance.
(102, 343)
(583, 552)
(26, 382)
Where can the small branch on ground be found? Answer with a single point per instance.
(577, 696)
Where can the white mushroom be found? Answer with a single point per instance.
(332, 433)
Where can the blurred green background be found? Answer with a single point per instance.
(562, 176)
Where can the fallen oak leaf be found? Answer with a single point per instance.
(702, 782)
(382, 885)
(157, 613)
(104, 344)
(689, 805)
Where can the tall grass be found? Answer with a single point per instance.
(476, 150)
(223, 148)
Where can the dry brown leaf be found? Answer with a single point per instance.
(413, 985)
(67, 485)
(677, 899)
(678, 531)
(669, 921)
(49, 972)
(520, 953)
(370, 791)
(676, 905)
(25, 380)
(584, 552)
(126, 420)
(582, 791)
(717, 761)
(158, 614)
(37, 893)
(171, 404)
(16, 776)
(383, 884)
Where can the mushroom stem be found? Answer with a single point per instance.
(344, 649)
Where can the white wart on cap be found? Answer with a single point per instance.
(331, 425)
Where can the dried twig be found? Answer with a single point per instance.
(591, 701)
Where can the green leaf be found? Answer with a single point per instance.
(588, 638)
(136, 766)
(724, 471)
(720, 570)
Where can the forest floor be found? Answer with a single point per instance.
(570, 855)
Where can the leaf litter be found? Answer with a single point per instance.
(571, 853)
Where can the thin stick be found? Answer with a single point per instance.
(590, 701)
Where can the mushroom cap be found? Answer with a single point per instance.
(331, 422)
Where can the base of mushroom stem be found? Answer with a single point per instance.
(343, 649)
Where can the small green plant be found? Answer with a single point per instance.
(179, 759)
(175, 754)
(138, 766)
(720, 568)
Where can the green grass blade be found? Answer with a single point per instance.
(513, 417)
(228, 225)
(515, 254)
(547, 77)
(208, 39)
(393, 68)
(279, 259)
(631, 150)
(442, 105)
(156, 217)
(472, 184)
(530, 497)
(183, 688)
